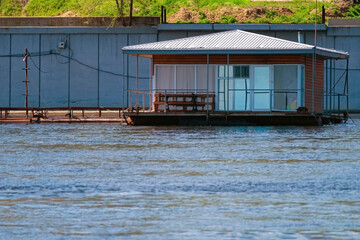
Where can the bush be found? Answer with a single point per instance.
(205, 20)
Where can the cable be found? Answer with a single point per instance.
(36, 65)
(70, 58)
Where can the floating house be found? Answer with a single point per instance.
(237, 78)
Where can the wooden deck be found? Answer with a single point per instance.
(61, 115)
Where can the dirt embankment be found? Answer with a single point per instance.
(242, 15)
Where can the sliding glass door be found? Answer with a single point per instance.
(261, 88)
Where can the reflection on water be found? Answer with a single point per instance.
(112, 181)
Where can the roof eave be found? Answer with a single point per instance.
(225, 51)
(332, 54)
(321, 52)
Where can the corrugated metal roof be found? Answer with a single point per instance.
(235, 41)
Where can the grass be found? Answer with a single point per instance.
(302, 10)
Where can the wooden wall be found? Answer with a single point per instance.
(306, 60)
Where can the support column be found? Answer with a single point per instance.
(137, 81)
(207, 86)
(228, 83)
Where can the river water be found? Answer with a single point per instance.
(72, 181)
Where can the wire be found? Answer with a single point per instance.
(37, 65)
(70, 58)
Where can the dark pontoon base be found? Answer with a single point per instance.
(216, 119)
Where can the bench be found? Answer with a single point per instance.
(184, 102)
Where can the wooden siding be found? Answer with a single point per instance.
(305, 60)
(233, 59)
(318, 84)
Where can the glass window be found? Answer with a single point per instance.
(241, 71)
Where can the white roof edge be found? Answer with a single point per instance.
(231, 42)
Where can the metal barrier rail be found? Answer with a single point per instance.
(5, 111)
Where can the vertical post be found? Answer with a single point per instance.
(162, 14)
(313, 82)
(131, 12)
(175, 80)
(10, 72)
(195, 79)
(330, 86)
(151, 70)
(228, 82)
(123, 81)
(326, 87)
(98, 71)
(207, 86)
(69, 76)
(315, 22)
(137, 81)
(347, 85)
(39, 86)
(128, 94)
(314, 64)
(26, 81)
(323, 15)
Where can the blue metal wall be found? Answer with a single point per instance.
(92, 71)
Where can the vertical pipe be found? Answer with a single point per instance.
(162, 14)
(195, 79)
(39, 93)
(347, 85)
(330, 88)
(326, 86)
(98, 71)
(207, 86)
(10, 71)
(313, 83)
(69, 74)
(315, 22)
(128, 94)
(228, 82)
(150, 83)
(123, 81)
(175, 80)
(137, 81)
(26, 81)
(333, 84)
(131, 12)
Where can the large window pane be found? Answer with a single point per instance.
(285, 87)
(165, 77)
(261, 88)
(185, 78)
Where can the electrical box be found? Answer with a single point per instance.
(61, 45)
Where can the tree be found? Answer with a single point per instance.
(120, 8)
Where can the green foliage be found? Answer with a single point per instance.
(10, 8)
(303, 10)
(47, 7)
(227, 19)
(354, 11)
(270, 14)
(205, 20)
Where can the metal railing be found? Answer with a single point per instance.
(279, 99)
